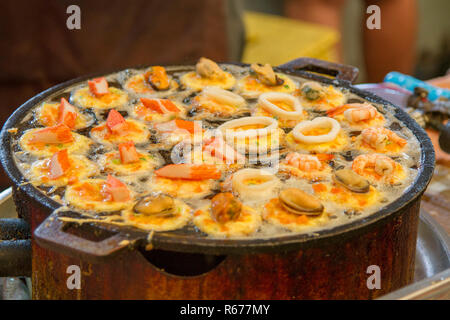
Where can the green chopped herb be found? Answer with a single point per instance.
(116, 161)
(60, 145)
(286, 86)
(143, 158)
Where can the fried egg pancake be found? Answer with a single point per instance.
(177, 220)
(202, 157)
(377, 121)
(136, 131)
(338, 144)
(333, 98)
(47, 116)
(312, 175)
(267, 143)
(170, 134)
(80, 145)
(80, 168)
(253, 134)
(181, 188)
(275, 214)
(391, 149)
(365, 167)
(282, 123)
(137, 85)
(115, 98)
(250, 87)
(247, 223)
(208, 108)
(111, 163)
(343, 197)
(87, 195)
(141, 112)
(194, 81)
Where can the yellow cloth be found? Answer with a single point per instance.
(276, 40)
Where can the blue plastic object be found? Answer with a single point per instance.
(410, 83)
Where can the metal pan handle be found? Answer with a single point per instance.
(52, 234)
(336, 70)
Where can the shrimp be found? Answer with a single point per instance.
(304, 162)
(360, 112)
(354, 112)
(382, 165)
(378, 138)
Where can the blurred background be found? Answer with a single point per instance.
(38, 50)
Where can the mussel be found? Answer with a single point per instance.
(157, 77)
(208, 69)
(266, 75)
(351, 180)
(299, 202)
(155, 205)
(312, 90)
(225, 207)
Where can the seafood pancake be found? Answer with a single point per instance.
(320, 135)
(379, 168)
(185, 181)
(47, 116)
(193, 81)
(316, 96)
(207, 73)
(345, 198)
(90, 195)
(114, 98)
(156, 110)
(254, 184)
(281, 106)
(176, 131)
(246, 224)
(250, 87)
(135, 131)
(357, 116)
(79, 145)
(181, 188)
(214, 102)
(138, 84)
(111, 162)
(253, 134)
(199, 156)
(176, 220)
(307, 166)
(381, 140)
(275, 214)
(80, 168)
